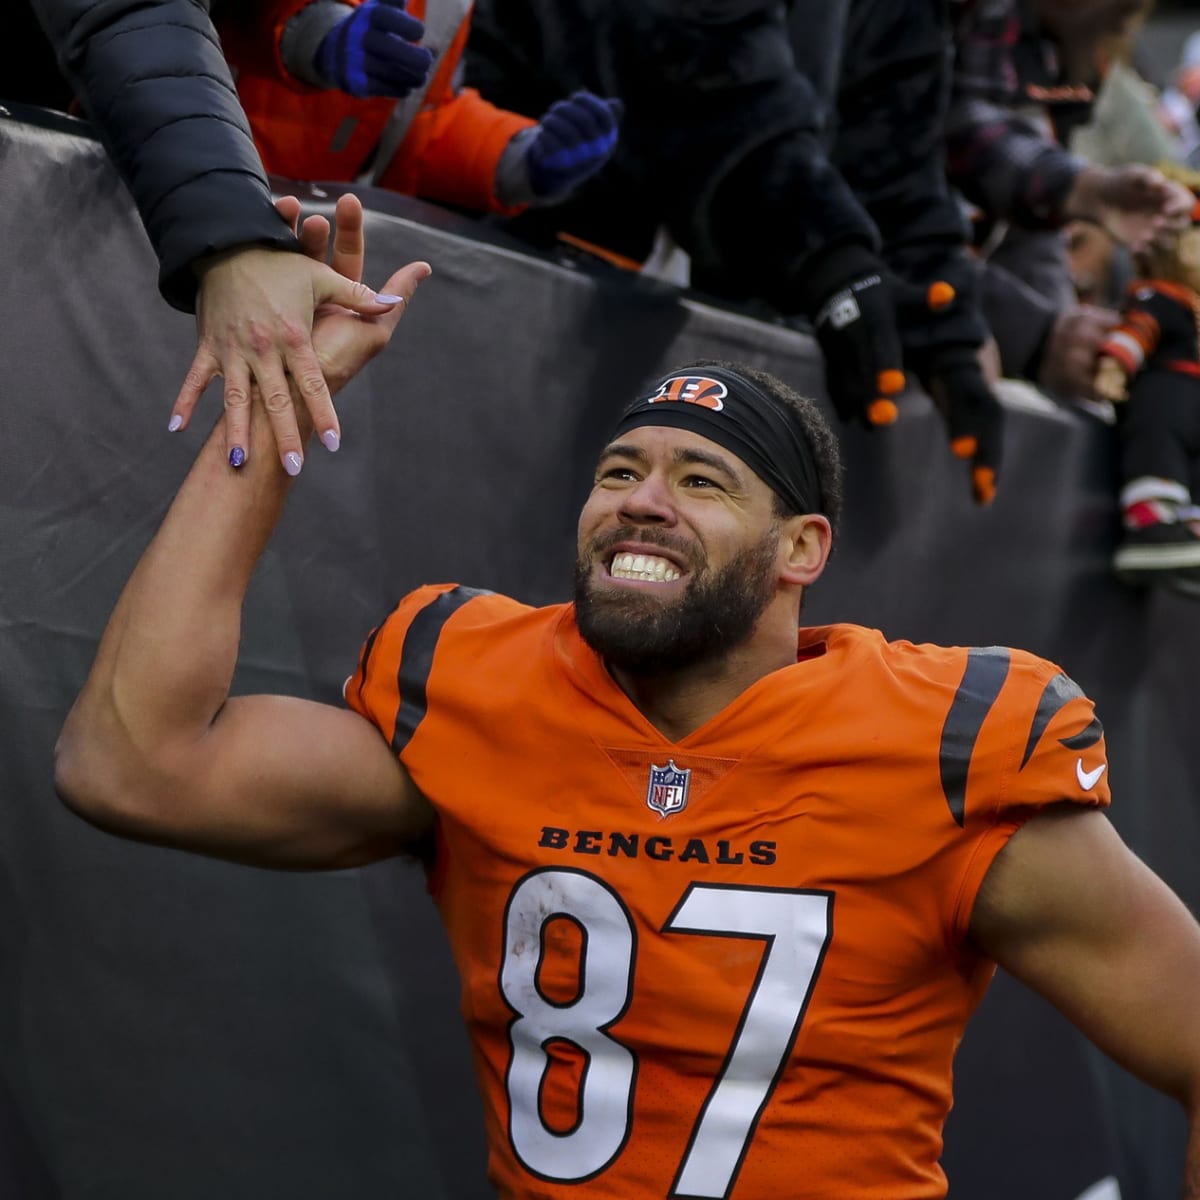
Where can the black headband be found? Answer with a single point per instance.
(734, 412)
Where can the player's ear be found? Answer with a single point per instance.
(804, 545)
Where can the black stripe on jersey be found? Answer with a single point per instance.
(987, 669)
(1060, 689)
(1088, 736)
(365, 657)
(416, 659)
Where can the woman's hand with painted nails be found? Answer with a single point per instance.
(255, 312)
(344, 339)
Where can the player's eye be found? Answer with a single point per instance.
(616, 474)
(700, 481)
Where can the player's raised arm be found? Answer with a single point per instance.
(1068, 909)
(154, 747)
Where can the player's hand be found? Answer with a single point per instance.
(855, 326)
(255, 313)
(974, 416)
(346, 340)
(572, 141)
(1068, 366)
(373, 52)
(1111, 382)
(1136, 204)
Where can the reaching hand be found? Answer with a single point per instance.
(372, 51)
(973, 415)
(1068, 366)
(345, 340)
(255, 314)
(571, 142)
(855, 327)
(1111, 381)
(954, 372)
(1136, 204)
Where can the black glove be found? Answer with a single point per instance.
(853, 312)
(974, 417)
(952, 376)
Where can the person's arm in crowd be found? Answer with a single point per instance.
(1015, 173)
(152, 78)
(890, 149)
(1041, 342)
(1012, 170)
(1069, 910)
(155, 747)
(472, 153)
(1146, 320)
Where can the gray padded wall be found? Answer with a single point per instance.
(172, 1026)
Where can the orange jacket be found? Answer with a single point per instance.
(449, 152)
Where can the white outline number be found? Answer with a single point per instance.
(796, 927)
(605, 986)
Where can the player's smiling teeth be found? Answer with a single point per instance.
(643, 566)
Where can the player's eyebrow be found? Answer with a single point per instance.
(717, 462)
(624, 450)
(685, 456)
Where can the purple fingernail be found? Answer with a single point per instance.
(175, 423)
(237, 457)
(292, 463)
(330, 439)
(387, 298)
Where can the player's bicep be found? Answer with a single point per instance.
(1067, 908)
(284, 782)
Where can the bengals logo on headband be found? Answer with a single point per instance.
(693, 389)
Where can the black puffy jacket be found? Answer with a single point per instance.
(152, 78)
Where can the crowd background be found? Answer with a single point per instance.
(100, 991)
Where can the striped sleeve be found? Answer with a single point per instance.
(1135, 339)
(389, 684)
(1031, 740)
(1022, 735)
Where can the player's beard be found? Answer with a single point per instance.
(635, 630)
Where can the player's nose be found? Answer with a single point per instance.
(649, 500)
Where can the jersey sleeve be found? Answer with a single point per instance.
(1040, 744)
(1062, 756)
(1136, 337)
(375, 689)
(413, 660)
(1155, 328)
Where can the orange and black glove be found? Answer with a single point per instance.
(952, 375)
(974, 416)
(853, 312)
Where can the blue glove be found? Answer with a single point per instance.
(572, 141)
(372, 51)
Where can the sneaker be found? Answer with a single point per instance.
(1166, 553)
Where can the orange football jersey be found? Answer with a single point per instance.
(733, 965)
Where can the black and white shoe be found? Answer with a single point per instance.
(1165, 554)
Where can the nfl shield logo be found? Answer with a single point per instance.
(668, 790)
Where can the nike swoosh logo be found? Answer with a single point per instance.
(1088, 779)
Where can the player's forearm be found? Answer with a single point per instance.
(166, 660)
